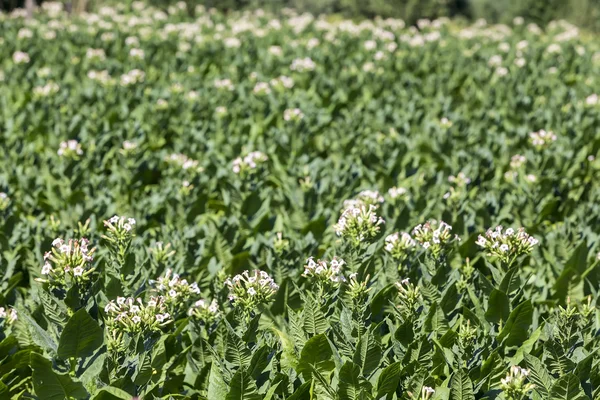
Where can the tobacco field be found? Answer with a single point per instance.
(246, 206)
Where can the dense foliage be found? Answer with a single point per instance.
(245, 207)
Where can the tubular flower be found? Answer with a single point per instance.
(250, 289)
(205, 312)
(132, 315)
(507, 244)
(400, 245)
(358, 223)
(514, 385)
(174, 289)
(327, 273)
(68, 262)
(434, 236)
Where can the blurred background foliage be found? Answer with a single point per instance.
(584, 13)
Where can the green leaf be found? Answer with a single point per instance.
(49, 385)
(242, 387)
(39, 334)
(461, 387)
(351, 386)
(368, 353)
(316, 353)
(271, 392)
(237, 352)
(112, 393)
(538, 375)
(314, 320)
(511, 281)
(567, 388)
(516, 330)
(302, 393)
(288, 355)
(81, 336)
(498, 307)
(217, 388)
(389, 379)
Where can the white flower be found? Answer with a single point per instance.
(20, 57)
(136, 319)
(77, 271)
(251, 291)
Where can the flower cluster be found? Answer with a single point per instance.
(358, 223)
(161, 252)
(514, 385)
(358, 290)
(507, 244)
(119, 235)
(102, 77)
(396, 192)
(9, 315)
(460, 183)
(183, 161)
(4, 201)
(224, 84)
(400, 245)
(70, 149)
(517, 161)
(69, 261)
(132, 315)
(48, 89)
(409, 296)
(427, 392)
(248, 163)
(249, 289)
(434, 236)
(205, 312)
(541, 138)
(20, 57)
(303, 64)
(366, 198)
(132, 77)
(293, 114)
(326, 273)
(174, 289)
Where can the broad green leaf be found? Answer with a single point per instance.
(368, 353)
(498, 307)
(112, 393)
(81, 336)
(461, 387)
(351, 386)
(538, 375)
(315, 322)
(567, 387)
(217, 388)
(316, 353)
(237, 351)
(389, 379)
(242, 387)
(49, 385)
(516, 329)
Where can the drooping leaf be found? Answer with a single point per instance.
(461, 386)
(516, 330)
(242, 387)
(389, 379)
(49, 385)
(567, 387)
(81, 336)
